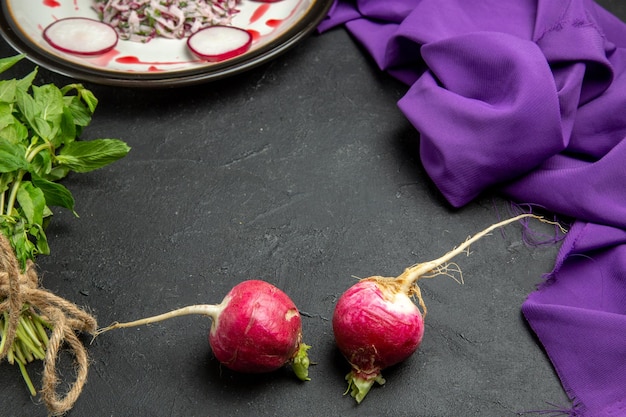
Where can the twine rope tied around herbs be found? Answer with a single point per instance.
(18, 288)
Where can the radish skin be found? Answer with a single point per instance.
(377, 325)
(255, 329)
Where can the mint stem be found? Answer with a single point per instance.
(13, 195)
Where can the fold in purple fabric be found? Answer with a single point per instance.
(527, 97)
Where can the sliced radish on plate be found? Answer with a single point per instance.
(81, 35)
(218, 43)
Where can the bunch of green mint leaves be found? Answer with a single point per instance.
(39, 131)
(39, 128)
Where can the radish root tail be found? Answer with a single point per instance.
(209, 310)
(450, 269)
(416, 292)
(442, 265)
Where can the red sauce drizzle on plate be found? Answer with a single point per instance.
(104, 59)
(52, 3)
(274, 23)
(153, 66)
(259, 12)
(129, 59)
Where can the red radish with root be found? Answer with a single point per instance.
(81, 36)
(218, 43)
(256, 328)
(377, 325)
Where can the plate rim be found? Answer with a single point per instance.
(307, 23)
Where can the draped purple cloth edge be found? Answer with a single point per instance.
(528, 98)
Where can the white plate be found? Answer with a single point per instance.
(161, 62)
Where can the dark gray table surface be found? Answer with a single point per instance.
(304, 173)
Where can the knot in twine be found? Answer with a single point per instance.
(18, 288)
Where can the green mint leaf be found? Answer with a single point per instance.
(5, 181)
(83, 94)
(80, 112)
(11, 128)
(67, 128)
(89, 99)
(57, 173)
(43, 110)
(32, 202)
(6, 63)
(6, 116)
(18, 233)
(41, 164)
(15, 132)
(12, 156)
(25, 83)
(7, 91)
(54, 193)
(85, 156)
(24, 248)
(28, 107)
(41, 241)
(50, 101)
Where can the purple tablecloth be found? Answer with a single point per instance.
(529, 98)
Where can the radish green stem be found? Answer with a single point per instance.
(39, 324)
(211, 310)
(19, 354)
(27, 354)
(23, 337)
(29, 382)
(3, 331)
(31, 334)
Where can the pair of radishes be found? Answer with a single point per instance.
(257, 327)
(89, 37)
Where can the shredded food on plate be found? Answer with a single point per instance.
(143, 20)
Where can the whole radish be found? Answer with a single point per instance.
(256, 328)
(375, 327)
(376, 324)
